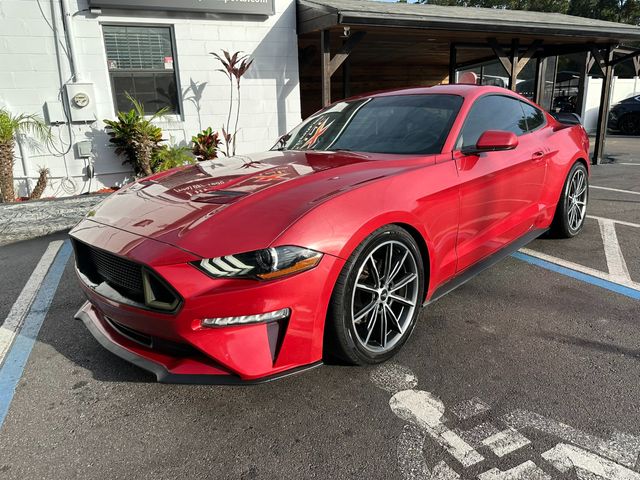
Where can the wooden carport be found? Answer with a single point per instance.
(355, 46)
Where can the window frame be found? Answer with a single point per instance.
(172, 116)
(496, 94)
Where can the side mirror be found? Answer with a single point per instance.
(492, 141)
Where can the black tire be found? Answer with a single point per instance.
(630, 124)
(565, 225)
(343, 340)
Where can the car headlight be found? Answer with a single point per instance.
(264, 264)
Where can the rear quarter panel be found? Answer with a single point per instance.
(567, 144)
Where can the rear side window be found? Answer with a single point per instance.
(533, 116)
(492, 112)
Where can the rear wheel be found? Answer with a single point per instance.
(572, 207)
(630, 124)
(377, 298)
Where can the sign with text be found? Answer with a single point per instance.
(246, 7)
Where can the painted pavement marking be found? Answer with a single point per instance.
(609, 189)
(14, 321)
(580, 268)
(505, 442)
(586, 464)
(619, 222)
(18, 353)
(588, 456)
(621, 448)
(469, 408)
(525, 471)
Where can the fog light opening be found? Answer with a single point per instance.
(247, 319)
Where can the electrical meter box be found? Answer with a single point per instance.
(82, 102)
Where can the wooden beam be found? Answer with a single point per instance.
(531, 51)
(621, 59)
(500, 54)
(602, 63)
(344, 51)
(452, 63)
(513, 74)
(603, 111)
(325, 68)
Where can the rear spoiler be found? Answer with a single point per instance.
(567, 118)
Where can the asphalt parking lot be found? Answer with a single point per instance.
(530, 370)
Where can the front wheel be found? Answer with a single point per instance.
(572, 207)
(377, 298)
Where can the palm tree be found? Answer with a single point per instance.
(11, 126)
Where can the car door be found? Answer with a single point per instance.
(500, 190)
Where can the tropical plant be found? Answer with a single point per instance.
(12, 126)
(205, 144)
(171, 156)
(38, 190)
(136, 137)
(234, 67)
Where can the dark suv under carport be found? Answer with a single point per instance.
(625, 116)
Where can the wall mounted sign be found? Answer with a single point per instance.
(246, 7)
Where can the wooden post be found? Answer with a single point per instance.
(541, 71)
(605, 100)
(452, 63)
(346, 79)
(325, 54)
(582, 86)
(513, 74)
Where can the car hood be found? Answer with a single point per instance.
(241, 203)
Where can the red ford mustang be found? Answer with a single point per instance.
(247, 268)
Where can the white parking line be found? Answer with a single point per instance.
(581, 268)
(619, 222)
(614, 189)
(615, 261)
(13, 323)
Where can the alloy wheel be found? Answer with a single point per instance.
(577, 200)
(385, 296)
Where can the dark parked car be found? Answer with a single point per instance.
(625, 116)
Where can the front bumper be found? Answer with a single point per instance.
(176, 348)
(166, 368)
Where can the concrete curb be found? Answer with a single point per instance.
(25, 220)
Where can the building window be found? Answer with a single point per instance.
(141, 63)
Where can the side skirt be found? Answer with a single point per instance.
(466, 275)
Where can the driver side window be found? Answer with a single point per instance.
(492, 112)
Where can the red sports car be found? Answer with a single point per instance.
(247, 268)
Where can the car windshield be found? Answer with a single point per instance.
(399, 124)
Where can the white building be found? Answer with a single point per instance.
(51, 50)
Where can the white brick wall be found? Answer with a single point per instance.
(30, 75)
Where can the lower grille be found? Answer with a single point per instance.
(160, 345)
(129, 279)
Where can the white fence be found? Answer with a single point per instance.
(622, 88)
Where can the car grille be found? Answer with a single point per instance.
(125, 277)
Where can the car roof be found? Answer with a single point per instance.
(467, 91)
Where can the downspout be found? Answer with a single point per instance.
(69, 33)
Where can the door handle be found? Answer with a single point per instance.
(538, 154)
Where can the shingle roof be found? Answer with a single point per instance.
(353, 12)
